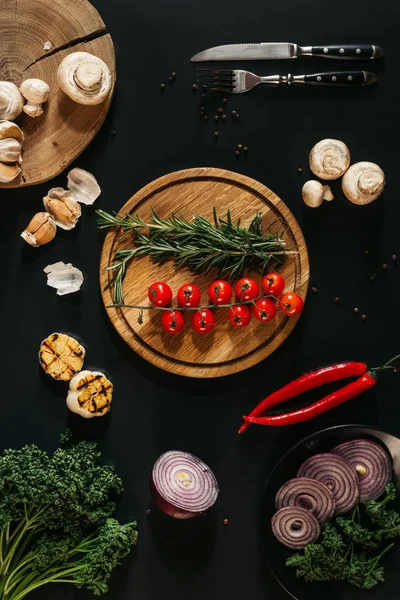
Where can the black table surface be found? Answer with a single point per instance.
(156, 133)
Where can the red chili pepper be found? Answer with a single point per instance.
(310, 381)
(306, 382)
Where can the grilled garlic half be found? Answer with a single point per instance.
(11, 138)
(62, 206)
(40, 230)
(61, 356)
(90, 394)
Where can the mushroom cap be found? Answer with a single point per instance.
(329, 159)
(11, 101)
(35, 90)
(10, 130)
(363, 182)
(85, 78)
(313, 193)
(9, 172)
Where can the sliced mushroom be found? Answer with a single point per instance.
(11, 101)
(84, 186)
(313, 193)
(363, 182)
(10, 130)
(85, 78)
(328, 195)
(329, 159)
(10, 151)
(36, 92)
(9, 172)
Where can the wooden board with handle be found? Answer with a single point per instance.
(225, 350)
(56, 138)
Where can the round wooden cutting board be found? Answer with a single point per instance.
(225, 350)
(56, 138)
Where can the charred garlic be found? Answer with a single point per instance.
(65, 278)
(84, 186)
(11, 101)
(11, 138)
(62, 206)
(85, 78)
(90, 394)
(40, 230)
(36, 92)
(61, 356)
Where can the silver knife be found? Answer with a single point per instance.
(284, 50)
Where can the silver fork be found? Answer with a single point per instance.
(239, 81)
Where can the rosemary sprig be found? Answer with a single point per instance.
(198, 245)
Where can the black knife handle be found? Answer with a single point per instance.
(348, 79)
(348, 52)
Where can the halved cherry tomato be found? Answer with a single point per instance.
(239, 315)
(273, 284)
(220, 292)
(188, 296)
(246, 289)
(264, 309)
(159, 293)
(172, 321)
(291, 304)
(203, 321)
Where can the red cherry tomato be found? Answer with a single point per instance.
(172, 321)
(239, 315)
(264, 309)
(203, 321)
(246, 289)
(188, 296)
(220, 292)
(291, 304)
(273, 284)
(159, 293)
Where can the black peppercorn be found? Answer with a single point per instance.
(220, 111)
(162, 86)
(203, 96)
(363, 317)
(226, 521)
(224, 100)
(203, 108)
(356, 310)
(205, 118)
(314, 290)
(113, 132)
(394, 257)
(194, 86)
(234, 113)
(245, 149)
(237, 153)
(337, 300)
(173, 74)
(384, 267)
(237, 116)
(299, 170)
(170, 78)
(372, 278)
(216, 133)
(240, 147)
(216, 118)
(224, 117)
(365, 251)
(148, 511)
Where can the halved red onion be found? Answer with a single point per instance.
(307, 493)
(372, 464)
(295, 527)
(336, 473)
(182, 485)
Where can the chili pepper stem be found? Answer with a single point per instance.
(386, 365)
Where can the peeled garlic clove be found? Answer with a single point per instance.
(60, 204)
(8, 172)
(313, 193)
(90, 394)
(329, 159)
(10, 130)
(65, 278)
(41, 230)
(328, 195)
(10, 150)
(11, 101)
(363, 182)
(84, 186)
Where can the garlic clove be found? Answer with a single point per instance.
(10, 130)
(40, 230)
(11, 101)
(65, 278)
(10, 150)
(329, 159)
(90, 394)
(85, 78)
(313, 193)
(84, 186)
(328, 195)
(9, 172)
(62, 206)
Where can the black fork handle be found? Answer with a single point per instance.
(349, 79)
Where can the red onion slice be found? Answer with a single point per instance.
(372, 464)
(336, 473)
(295, 527)
(309, 494)
(182, 485)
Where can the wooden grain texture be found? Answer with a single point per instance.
(225, 350)
(55, 139)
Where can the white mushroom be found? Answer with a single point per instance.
(36, 92)
(10, 151)
(11, 101)
(363, 182)
(84, 186)
(328, 195)
(313, 193)
(85, 78)
(329, 159)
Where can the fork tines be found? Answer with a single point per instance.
(216, 80)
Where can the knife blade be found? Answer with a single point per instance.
(284, 50)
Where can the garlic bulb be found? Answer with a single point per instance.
(90, 394)
(65, 278)
(62, 206)
(85, 78)
(363, 182)
(35, 91)
(41, 230)
(84, 186)
(313, 193)
(11, 101)
(329, 159)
